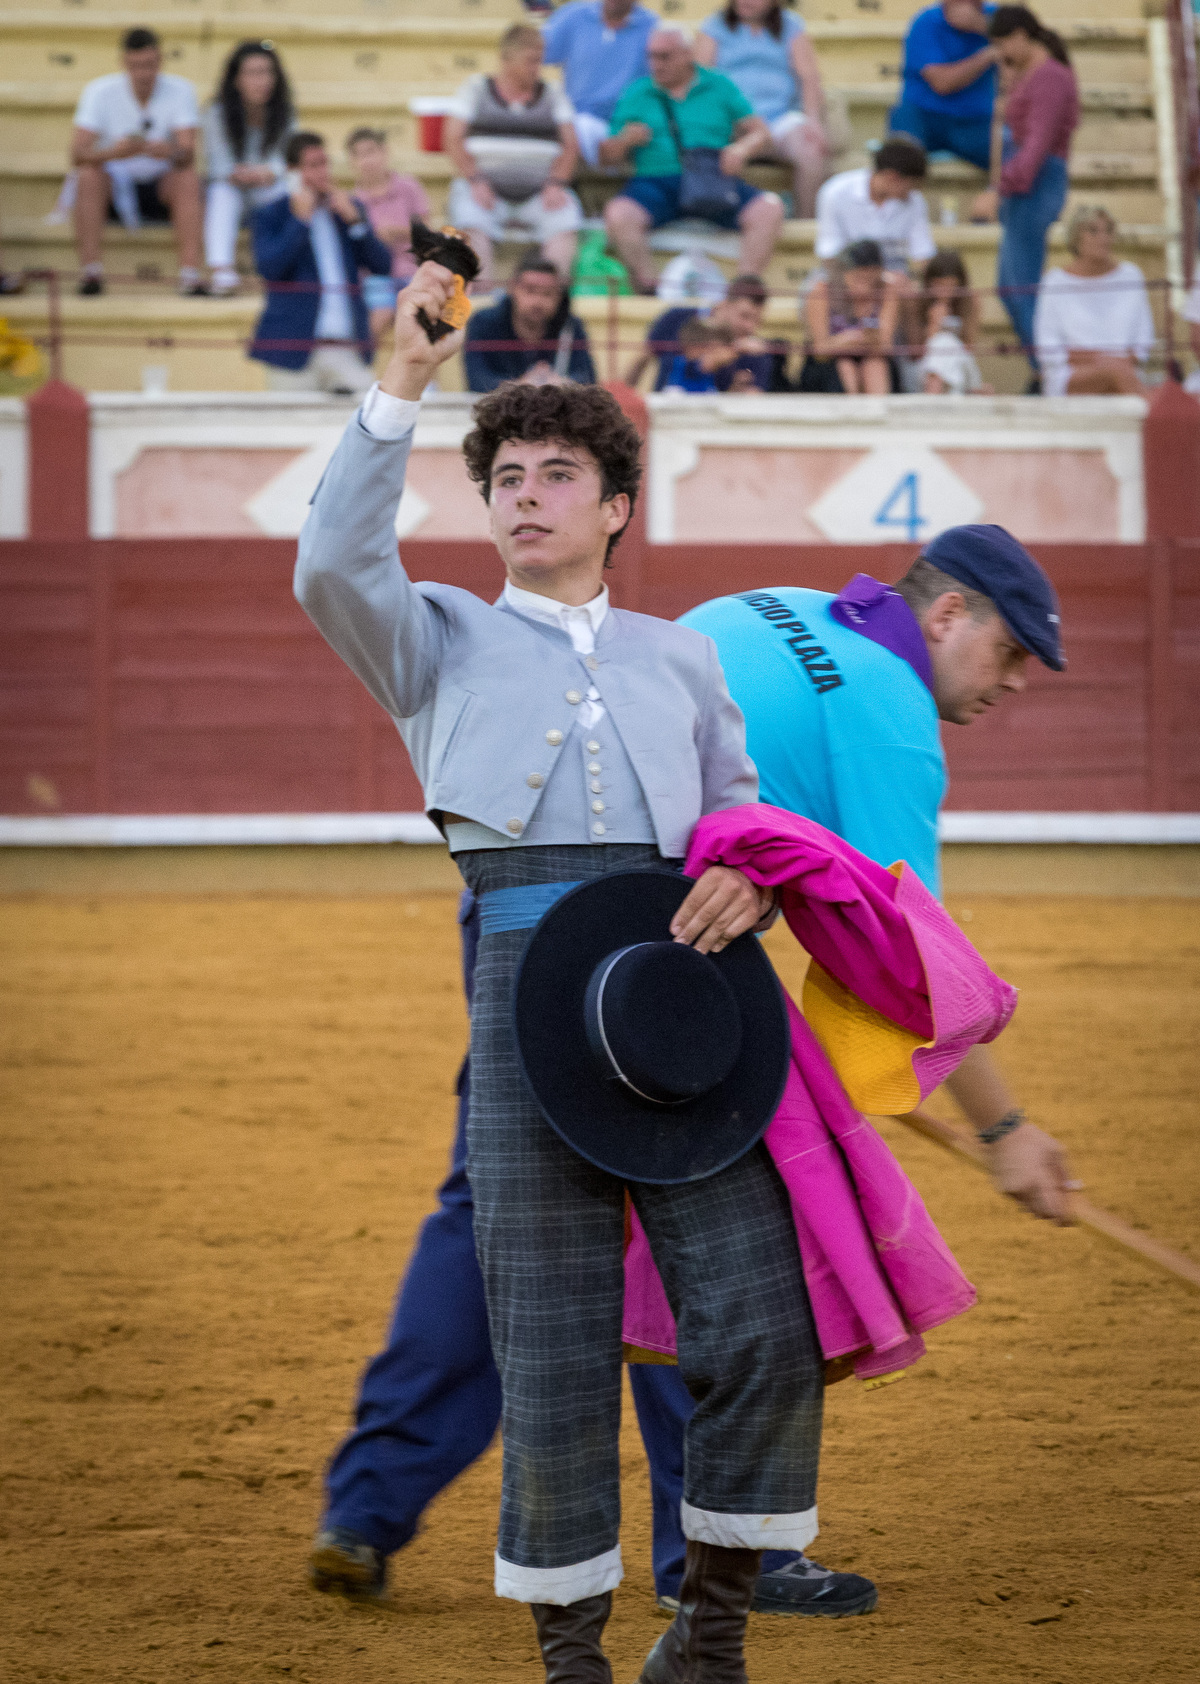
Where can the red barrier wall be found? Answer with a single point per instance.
(158, 676)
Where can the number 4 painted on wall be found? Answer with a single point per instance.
(906, 494)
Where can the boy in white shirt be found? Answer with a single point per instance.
(133, 147)
(881, 202)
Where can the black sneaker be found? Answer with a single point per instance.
(91, 286)
(804, 1588)
(344, 1560)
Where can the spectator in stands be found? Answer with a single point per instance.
(1093, 324)
(682, 107)
(313, 333)
(759, 364)
(601, 46)
(767, 53)
(880, 202)
(511, 137)
(706, 349)
(133, 148)
(949, 81)
(851, 314)
(534, 310)
(947, 317)
(1191, 315)
(392, 200)
(245, 130)
(1041, 114)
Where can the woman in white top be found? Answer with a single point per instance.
(768, 55)
(245, 131)
(1093, 323)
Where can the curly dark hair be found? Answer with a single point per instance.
(587, 417)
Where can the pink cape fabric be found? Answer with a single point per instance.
(879, 1274)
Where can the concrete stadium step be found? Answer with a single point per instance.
(439, 50)
(110, 340)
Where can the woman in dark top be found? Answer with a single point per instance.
(851, 314)
(1041, 114)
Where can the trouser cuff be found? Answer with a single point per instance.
(559, 1585)
(749, 1531)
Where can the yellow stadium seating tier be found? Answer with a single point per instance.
(363, 61)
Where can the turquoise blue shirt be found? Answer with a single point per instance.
(706, 116)
(841, 729)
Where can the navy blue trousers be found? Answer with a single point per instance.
(429, 1403)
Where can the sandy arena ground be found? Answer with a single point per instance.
(227, 1116)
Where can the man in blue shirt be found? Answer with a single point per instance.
(949, 81)
(601, 45)
(529, 334)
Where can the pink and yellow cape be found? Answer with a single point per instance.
(894, 998)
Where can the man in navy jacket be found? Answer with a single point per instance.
(314, 334)
(547, 341)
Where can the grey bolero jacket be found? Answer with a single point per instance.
(479, 692)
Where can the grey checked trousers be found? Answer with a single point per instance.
(549, 1230)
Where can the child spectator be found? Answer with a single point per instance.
(1093, 324)
(946, 324)
(761, 362)
(392, 201)
(245, 129)
(511, 137)
(769, 57)
(880, 203)
(851, 313)
(705, 348)
(134, 149)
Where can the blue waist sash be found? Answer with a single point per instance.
(520, 908)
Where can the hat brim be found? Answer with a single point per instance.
(602, 1119)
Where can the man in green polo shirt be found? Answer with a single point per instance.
(682, 105)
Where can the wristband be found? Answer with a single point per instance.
(996, 1131)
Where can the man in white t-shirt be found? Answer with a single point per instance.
(133, 148)
(511, 139)
(881, 202)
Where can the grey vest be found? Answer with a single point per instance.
(513, 180)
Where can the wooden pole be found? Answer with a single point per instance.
(1085, 1213)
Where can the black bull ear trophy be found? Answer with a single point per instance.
(447, 247)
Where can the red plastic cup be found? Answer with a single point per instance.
(430, 126)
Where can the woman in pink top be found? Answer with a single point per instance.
(392, 200)
(1040, 115)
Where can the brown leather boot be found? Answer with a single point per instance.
(570, 1640)
(703, 1644)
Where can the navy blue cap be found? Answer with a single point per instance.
(990, 560)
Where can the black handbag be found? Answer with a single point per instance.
(703, 190)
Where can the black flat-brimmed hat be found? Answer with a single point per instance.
(652, 1061)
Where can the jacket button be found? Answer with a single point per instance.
(597, 787)
(554, 738)
(594, 766)
(592, 664)
(593, 747)
(597, 829)
(573, 697)
(597, 806)
(514, 827)
(535, 780)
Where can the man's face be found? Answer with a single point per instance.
(965, 15)
(143, 68)
(975, 662)
(535, 297)
(670, 60)
(314, 170)
(890, 184)
(547, 508)
(743, 315)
